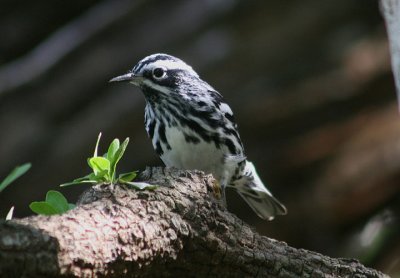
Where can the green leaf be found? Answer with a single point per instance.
(122, 149)
(55, 203)
(103, 176)
(91, 176)
(97, 145)
(118, 155)
(78, 182)
(100, 165)
(15, 174)
(43, 208)
(142, 185)
(127, 177)
(57, 200)
(112, 150)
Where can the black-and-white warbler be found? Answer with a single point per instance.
(191, 127)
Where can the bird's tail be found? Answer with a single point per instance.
(257, 196)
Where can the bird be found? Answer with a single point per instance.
(191, 127)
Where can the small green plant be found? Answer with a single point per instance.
(55, 203)
(104, 168)
(15, 174)
(104, 171)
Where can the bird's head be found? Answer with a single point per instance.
(161, 74)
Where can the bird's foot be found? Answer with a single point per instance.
(219, 192)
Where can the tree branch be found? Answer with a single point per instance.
(177, 229)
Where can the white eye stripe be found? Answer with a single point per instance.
(169, 65)
(172, 65)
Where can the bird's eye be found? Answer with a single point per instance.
(159, 73)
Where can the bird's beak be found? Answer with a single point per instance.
(129, 77)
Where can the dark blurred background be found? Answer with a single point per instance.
(309, 81)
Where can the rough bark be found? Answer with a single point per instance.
(179, 229)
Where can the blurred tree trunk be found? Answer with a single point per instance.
(391, 13)
(176, 230)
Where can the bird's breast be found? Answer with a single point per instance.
(186, 150)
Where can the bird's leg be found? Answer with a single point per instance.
(223, 184)
(219, 192)
(223, 196)
(231, 163)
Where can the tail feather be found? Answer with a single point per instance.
(257, 196)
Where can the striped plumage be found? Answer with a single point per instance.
(191, 127)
